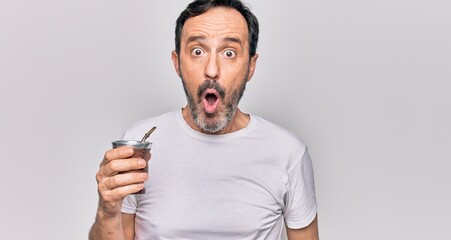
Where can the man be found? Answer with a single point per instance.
(215, 172)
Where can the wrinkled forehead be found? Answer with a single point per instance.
(217, 22)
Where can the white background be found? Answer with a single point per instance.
(366, 84)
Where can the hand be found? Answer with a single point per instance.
(118, 177)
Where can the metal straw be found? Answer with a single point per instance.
(148, 134)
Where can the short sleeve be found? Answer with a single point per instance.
(129, 205)
(300, 208)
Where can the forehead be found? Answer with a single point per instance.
(217, 22)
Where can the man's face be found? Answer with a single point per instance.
(214, 66)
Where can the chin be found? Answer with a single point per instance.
(212, 122)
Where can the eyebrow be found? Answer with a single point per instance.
(232, 39)
(195, 39)
(202, 38)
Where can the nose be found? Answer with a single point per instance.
(212, 67)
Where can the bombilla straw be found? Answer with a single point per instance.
(148, 134)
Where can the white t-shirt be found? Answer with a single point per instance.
(241, 185)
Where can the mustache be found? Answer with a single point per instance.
(211, 84)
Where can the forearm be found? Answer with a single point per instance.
(107, 228)
(113, 188)
(308, 233)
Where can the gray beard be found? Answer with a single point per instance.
(205, 121)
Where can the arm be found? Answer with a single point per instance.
(308, 233)
(118, 228)
(115, 181)
(128, 224)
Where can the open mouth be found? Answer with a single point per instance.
(210, 100)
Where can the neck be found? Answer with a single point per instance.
(239, 121)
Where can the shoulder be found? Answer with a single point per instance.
(281, 139)
(283, 143)
(276, 132)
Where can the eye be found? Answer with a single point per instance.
(230, 53)
(197, 52)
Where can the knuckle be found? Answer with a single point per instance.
(102, 186)
(113, 166)
(98, 177)
(107, 155)
(101, 190)
(114, 181)
(106, 196)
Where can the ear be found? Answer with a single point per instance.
(175, 62)
(252, 65)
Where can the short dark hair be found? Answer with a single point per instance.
(198, 7)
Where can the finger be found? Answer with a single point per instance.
(122, 165)
(117, 153)
(120, 193)
(124, 179)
